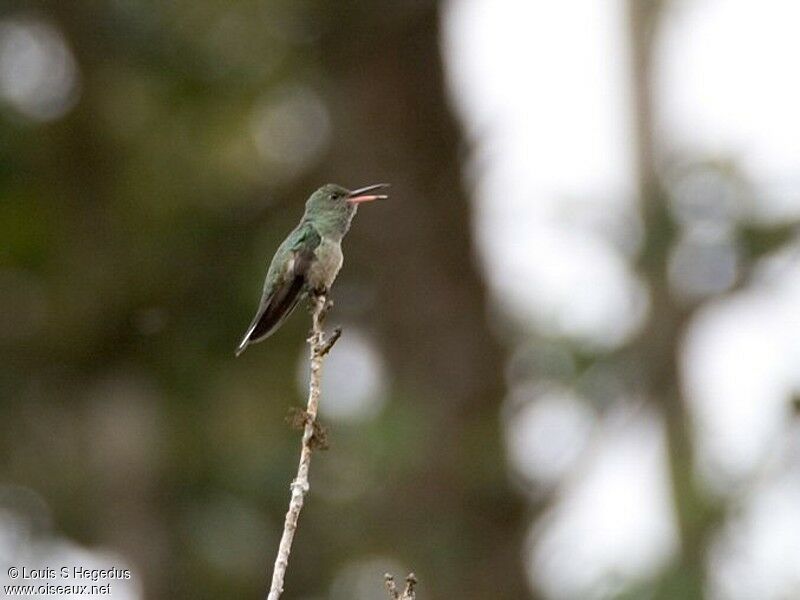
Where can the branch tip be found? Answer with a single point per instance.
(391, 587)
(394, 593)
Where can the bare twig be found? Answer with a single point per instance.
(408, 592)
(337, 333)
(391, 587)
(319, 347)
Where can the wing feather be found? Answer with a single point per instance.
(280, 300)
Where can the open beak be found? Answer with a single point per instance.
(364, 195)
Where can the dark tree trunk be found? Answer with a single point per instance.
(463, 531)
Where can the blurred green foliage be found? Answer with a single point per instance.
(137, 217)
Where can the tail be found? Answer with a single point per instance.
(272, 313)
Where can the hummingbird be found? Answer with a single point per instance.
(308, 260)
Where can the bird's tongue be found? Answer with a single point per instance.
(367, 194)
(367, 198)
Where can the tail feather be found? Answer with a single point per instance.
(272, 314)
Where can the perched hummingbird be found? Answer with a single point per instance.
(309, 259)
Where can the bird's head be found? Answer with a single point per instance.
(332, 207)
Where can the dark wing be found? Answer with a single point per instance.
(282, 299)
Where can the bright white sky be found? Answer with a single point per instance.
(729, 87)
(542, 90)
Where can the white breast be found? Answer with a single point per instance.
(327, 264)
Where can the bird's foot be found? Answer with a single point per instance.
(318, 292)
(314, 296)
(325, 309)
